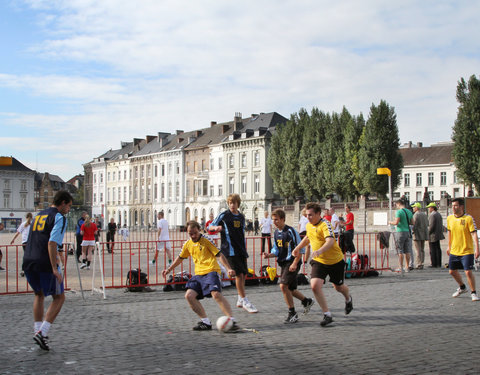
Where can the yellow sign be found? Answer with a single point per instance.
(5, 160)
(384, 171)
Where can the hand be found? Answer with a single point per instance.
(477, 254)
(448, 251)
(231, 272)
(316, 254)
(165, 272)
(295, 252)
(58, 275)
(293, 267)
(265, 256)
(11, 243)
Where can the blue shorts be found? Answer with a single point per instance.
(45, 282)
(461, 262)
(205, 284)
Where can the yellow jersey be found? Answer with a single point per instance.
(203, 253)
(461, 229)
(317, 234)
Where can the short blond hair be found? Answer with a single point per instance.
(235, 198)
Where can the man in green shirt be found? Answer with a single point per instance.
(403, 235)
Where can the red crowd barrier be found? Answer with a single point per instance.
(131, 255)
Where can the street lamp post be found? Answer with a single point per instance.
(387, 171)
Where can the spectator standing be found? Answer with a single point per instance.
(420, 233)
(40, 264)
(349, 231)
(88, 231)
(335, 222)
(78, 236)
(2, 227)
(462, 247)
(326, 215)
(211, 233)
(111, 229)
(24, 230)
(256, 226)
(163, 238)
(266, 226)
(98, 223)
(125, 232)
(403, 235)
(435, 233)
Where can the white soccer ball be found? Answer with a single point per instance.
(224, 323)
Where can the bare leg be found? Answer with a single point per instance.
(298, 295)
(344, 290)
(222, 302)
(287, 295)
(38, 307)
(54, 307)
(470, 279)
(240, 284)
(316, 284)
(456, 275)
(195, 305)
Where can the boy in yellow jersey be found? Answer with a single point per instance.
(206, 282)
(462, 238)
(327, 260)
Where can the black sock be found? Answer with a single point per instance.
(88, 263)
(462, 286)
(291, 310)
(474, 292)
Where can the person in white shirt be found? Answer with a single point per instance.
(163, 238)
(23, 229)
(266, 226)
(335, 223)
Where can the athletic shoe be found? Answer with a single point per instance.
(247, 305)
(22, 274)
(201, 326)
(152, 262)
(235, 328)
(406, 270)
(292, 317)
(349, 306)
(458, 292)
(84, 265)
(326, 320)
(475, 297)
(88, 267)
(41, 340)
(2, 269)
(308, 306)
(239, 301)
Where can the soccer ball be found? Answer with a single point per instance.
(224, 323)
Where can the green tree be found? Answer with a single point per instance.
(379, 145)
(351, 145)
(466, 132)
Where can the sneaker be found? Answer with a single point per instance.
(292, 317)
(22, 274)
(239, 301)
(407, 269)
(88, 267)
(326, 320)
(308, 306)
(458, 292)
(152, 262)
(84, 265)
(2, 269)
(247, 305)
(349, 306)
(41, 340)
(475, 297)
(235, 328)
(201, 326)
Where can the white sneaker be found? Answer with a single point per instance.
(88, 267)
(239, 301)
(475, 297)
(151, 262)
(458, 292)
(247, 305)
(406, 270)
(84, 265)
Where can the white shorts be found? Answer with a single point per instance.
(164, 245)
(88, 243)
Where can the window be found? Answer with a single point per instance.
(244, 160)
(430, 195)
(6, 200)
(142, 171)
(149, 193)
(177, 189)
(419, 181)
(443, 178)
(23, 200)
(430, 179)
(406, 179)
(155, 171)
(231, 185)
(407, 196)
(231, 161)
(95, 178)
(170, 192)
(162, 191)
(177, 167)
(108, 195)
(125, 174)
(149, 171)
(101, 177)
(136, 172)
(195, 166)
(23, 185)
(6, 184)
(220, 190)
(119, 195)
(212, 190)
(155, 191)
(244, 185)
(113, 176)
(204, 164)
(205, 188)
(443, 194)
(94, 197)
(257, 158)
(456, 192)
(125, 194)
(212, 163)
(187, 188)
(169, 169)
(119, 175)
(455, 178)
(108, 176)
(188, 166)
(162, 167)
(135, 195)
(256, 186)
(220, 163)
(101, 197)
(419, 196)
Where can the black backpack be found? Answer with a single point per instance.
(134, 283)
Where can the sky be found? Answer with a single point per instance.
(77, 77)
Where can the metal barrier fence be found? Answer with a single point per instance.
(129, 255)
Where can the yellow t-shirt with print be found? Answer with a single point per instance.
(203, 253)
(461, 229)
(317, 234)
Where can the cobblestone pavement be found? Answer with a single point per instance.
(401, 325)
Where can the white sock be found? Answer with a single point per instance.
(240, 299)
(45, 328)
(37, 326)
(328, 313)
(207, 321)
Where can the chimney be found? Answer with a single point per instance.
(198, 133)
(237, 121)
(419, 144)
(225, 128)
(150, 138)
(409, 144)
(179, 132)
(136, 141)
(213, 123)
(180, 140)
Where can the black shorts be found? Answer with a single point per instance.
(238, 263)
(289, 278)
(336, 272)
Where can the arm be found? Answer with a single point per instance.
(303, 243)
(175, 263)
(52, 254)
(449, 242)
(475, 243)
(225, 263)
(14, 238)
(329, 242)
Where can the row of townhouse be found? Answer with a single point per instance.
(187, 175)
